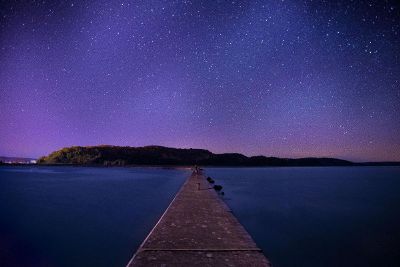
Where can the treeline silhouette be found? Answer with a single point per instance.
(159, 155)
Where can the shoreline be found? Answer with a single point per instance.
(373, 164)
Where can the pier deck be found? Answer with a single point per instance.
(198, 229)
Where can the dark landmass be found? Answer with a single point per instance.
(380, 163)
(158, 155)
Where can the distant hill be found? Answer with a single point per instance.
(159, 155)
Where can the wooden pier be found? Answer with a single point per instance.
(198, 229)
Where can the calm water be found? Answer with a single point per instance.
(339, 216)
(69, 216)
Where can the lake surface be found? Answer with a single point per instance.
(71, 216)
(329, 216)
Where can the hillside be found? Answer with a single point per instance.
(158, 155)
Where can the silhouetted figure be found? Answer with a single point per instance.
(196, 169)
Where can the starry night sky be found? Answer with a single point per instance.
(281, 78)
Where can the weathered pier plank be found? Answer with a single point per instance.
(198, 229)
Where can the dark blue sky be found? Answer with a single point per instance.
(282, 78)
